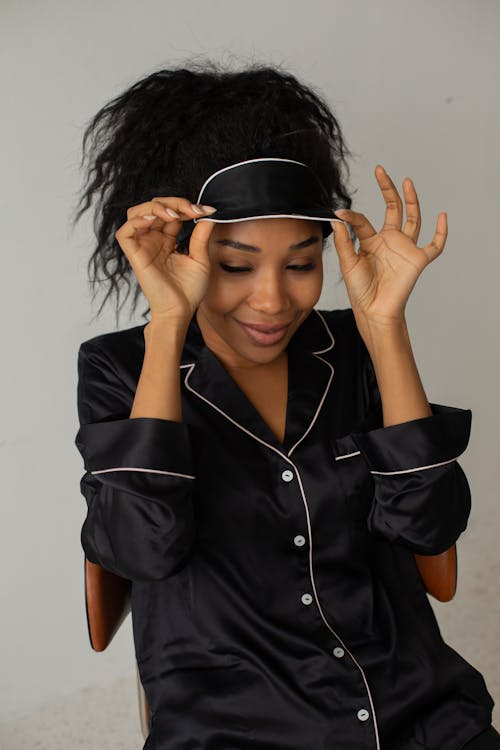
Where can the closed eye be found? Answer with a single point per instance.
(241, 269)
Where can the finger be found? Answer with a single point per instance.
(162, 220)
(198, 242)
(183, 205)
(394, 206)
(362, 228)
(162, 211)
(147, 228)
(436, 245)
(158, 220)
(180, 209)
(126, 234)
(413, 217)
(164, 216)
(343, 245)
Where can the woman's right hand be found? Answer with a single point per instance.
(173, 283)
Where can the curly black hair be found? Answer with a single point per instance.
(171, 129)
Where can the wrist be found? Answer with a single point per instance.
(379, 327)
(166, 330)
(387, 338)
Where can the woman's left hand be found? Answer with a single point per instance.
(380, 276)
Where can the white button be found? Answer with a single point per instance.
(363, 714)
(287, 475)
(299, 540)
(306, 598)
(338, 652)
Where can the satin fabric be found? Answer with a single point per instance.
(276, 601)
(266, 187)
(488, 740)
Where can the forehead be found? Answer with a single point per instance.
(281, 229)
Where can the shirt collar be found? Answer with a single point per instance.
(312, 336)
(309, 379)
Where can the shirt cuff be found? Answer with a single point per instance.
(418, 443)
(143, 443)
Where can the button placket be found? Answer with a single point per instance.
(307, 599)
(299, 540)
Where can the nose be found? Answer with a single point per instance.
(269, 294)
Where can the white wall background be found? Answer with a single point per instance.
(415, 88)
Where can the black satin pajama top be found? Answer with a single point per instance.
(276, 601)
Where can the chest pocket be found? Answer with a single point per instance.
(354, 478)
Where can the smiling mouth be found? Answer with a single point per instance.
(263, 328)
(264, 338)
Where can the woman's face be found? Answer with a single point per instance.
(277, 282)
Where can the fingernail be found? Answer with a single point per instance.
(208, 209)
(196, 208)
(171, 212)
(340, 211)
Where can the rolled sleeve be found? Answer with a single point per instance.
(418, 443)
(139, 478)
(422, 497)
(124, 452)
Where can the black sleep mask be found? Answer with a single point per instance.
(268, 187)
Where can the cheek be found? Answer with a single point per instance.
(224, 294)
(308, 291)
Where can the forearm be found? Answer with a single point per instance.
(158, 392)
(401, 390)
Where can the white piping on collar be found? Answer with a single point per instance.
(332, 340)
(304, 499)
(316, 354)
(192, 365)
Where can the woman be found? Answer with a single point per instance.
(262, 471)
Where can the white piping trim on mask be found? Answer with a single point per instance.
(246, 161)
(149, 471)
(268, 216)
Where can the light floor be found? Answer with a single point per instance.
(98, 718)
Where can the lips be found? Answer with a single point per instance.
(264, 327)
(258, 334)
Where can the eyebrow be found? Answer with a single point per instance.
(253, 249)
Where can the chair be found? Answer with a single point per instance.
(107, 603)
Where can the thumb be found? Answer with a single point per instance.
(343, 245)
(198, 242)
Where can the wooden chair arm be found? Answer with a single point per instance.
(439, 573)
(107, 603)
